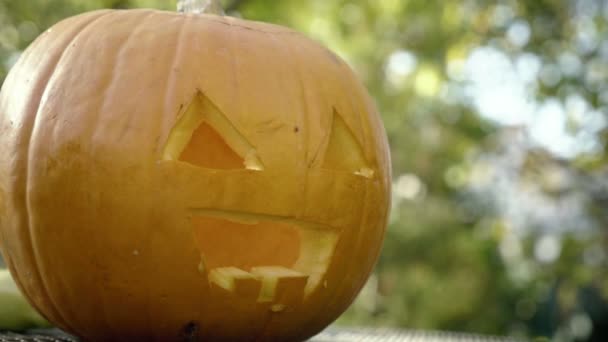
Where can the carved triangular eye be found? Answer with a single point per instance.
(207, 149)
(344, 153)
(203, 136)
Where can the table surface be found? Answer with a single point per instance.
(332, 334)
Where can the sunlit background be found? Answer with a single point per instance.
(497, 115)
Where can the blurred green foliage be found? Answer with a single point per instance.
(496, 114)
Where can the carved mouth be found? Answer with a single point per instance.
(274, 259)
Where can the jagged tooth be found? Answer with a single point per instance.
(280, 285)
(235, 281)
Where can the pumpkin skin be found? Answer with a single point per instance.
(144, 153)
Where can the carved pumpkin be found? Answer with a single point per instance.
(168, 177)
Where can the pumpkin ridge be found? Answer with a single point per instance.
(119, 53)
(29, 132)
(104, 98)
(360, 240)
(302, 142)
(231, 45)
(369, 126)
(171, 80)
(279, 48)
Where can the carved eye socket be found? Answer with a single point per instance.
(344, 153)
(204, 137)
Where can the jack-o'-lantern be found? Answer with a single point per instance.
(171, 176)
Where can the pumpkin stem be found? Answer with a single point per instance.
(200, 6)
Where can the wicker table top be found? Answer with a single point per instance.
(330, 335)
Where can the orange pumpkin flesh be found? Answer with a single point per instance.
(188, 177)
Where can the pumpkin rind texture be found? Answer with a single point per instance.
(179, 177)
